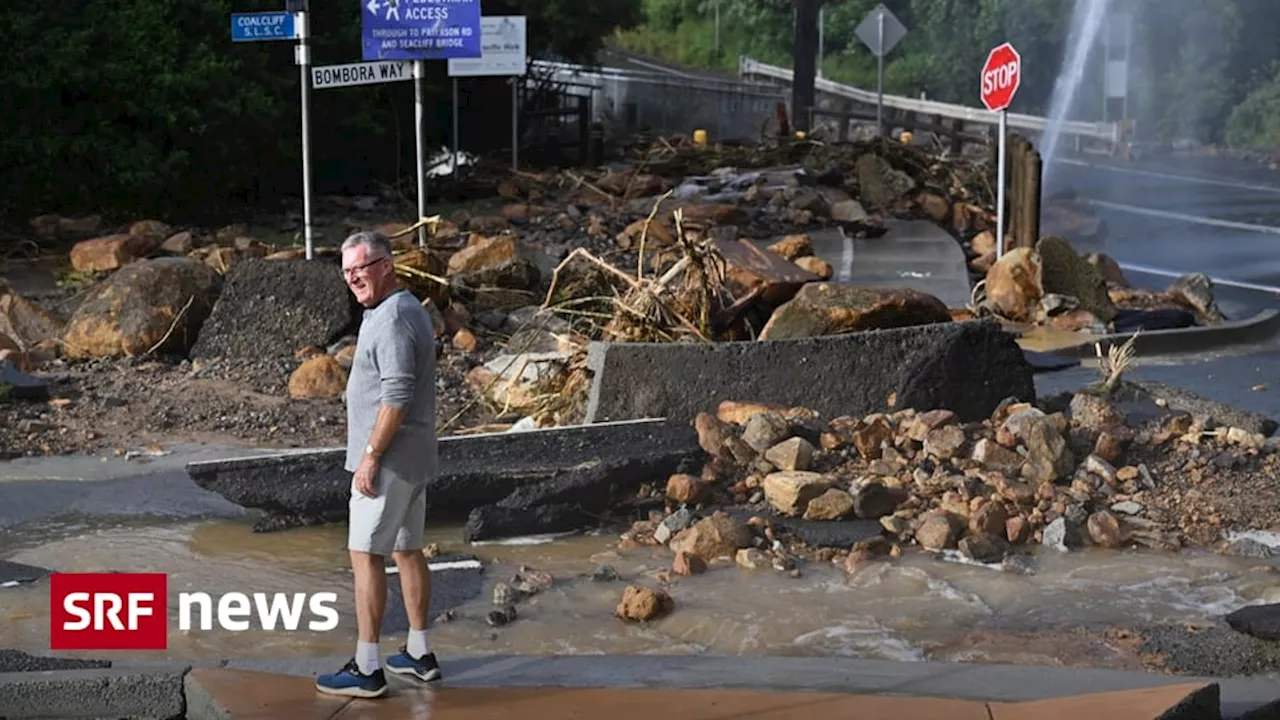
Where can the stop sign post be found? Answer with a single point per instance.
(1001, 76)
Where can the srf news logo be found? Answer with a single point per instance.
(130, 611)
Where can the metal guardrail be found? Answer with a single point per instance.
(668, 101)
(1107, 132)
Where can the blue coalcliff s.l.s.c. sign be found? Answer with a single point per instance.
(258, 27)
(420, 29)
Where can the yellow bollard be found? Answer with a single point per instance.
(905, 137)
(700, 138)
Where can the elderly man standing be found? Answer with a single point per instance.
(391, 451)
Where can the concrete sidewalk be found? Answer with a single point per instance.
(639, 686)
(914, 254)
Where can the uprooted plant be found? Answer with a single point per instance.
(659, 307)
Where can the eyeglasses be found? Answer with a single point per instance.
(351, 271)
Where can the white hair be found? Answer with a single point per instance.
(375, 241)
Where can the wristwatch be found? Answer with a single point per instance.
(368, 450)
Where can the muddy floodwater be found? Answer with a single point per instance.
(917, 608)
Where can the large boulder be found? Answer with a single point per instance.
(830, 309)
(148, 306)
(25, 321)
(1014, 284)
(1064, 272)
(273, 308)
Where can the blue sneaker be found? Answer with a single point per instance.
(350, 682)
(424, 668)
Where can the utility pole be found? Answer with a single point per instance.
(805, 62)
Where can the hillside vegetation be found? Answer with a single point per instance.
(1204, 70)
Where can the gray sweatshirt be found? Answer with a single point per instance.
(395, 365)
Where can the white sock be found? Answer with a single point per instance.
(417, 645)
(367, 657)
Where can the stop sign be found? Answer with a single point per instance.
(1001, 75)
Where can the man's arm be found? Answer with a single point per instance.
(396, 353)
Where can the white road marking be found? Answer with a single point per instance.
(846, 258)
(1171, 176)
(1147, 270)
(1194, 219)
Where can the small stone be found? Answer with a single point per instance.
(1018, 565)
(712, 434)
(465, 340)
(642, 604)
(1017, 530)
(504, 594)
(1105, 530)
(1127, 507)
(605, 573)
(873, 500)
(764, 430)
(1061, 535)
(869, 438)
(1110, 446)
(790, 491)
(686, 489)
(936, 531)
(994, 456)
(672, 524)
(945, 442)
(751, 559)
(793, 454)
(983, 548)
(688, 564)
(830, 505)
(989, 519)
(1101, 468)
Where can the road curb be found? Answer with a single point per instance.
(1261, 327)
(141, 692)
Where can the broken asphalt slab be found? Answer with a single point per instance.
(1260, 328)
(143, 692)
(965, 367)
(531, 476)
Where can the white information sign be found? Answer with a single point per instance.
(504, 48)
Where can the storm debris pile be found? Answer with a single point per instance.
(1072, 472)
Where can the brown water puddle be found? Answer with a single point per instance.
(917, 608)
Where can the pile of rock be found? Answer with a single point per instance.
(1053, 285)
(1076, 476)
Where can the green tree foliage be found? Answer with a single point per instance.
(147, 105)
(1194, 62)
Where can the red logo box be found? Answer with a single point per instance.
(108, 611)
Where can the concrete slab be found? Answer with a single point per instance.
(476, 470)
(215, 694)
(914, 254)
(142, 693)
(967, 367)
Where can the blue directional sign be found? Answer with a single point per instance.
(256, 27)
(420, 29)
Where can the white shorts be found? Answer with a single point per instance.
(394, 520)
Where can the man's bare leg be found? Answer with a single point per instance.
(415, 583)
(371, 594)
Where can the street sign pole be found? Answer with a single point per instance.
(515, 126)
(1000, 79)
(880, 76)
(1000, 182)
(419, 120)
(303, 57)
(880, 31)
(455, 127)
